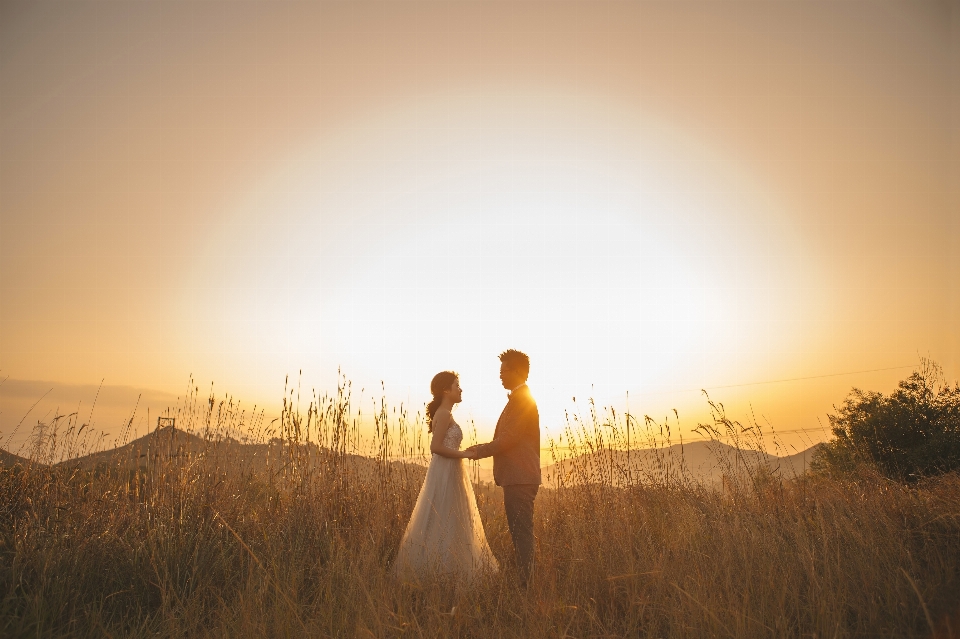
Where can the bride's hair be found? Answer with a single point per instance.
(441, 382)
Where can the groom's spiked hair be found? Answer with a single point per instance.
(517, 361)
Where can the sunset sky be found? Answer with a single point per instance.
(647, 198)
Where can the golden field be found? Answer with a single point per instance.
(230, 526)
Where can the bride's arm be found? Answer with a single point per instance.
(441, 422)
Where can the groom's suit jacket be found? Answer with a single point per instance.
(516, 442)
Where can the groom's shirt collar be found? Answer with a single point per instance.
(510, 394)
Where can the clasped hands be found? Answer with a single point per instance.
(471, 452)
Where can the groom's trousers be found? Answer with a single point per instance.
(518, 504)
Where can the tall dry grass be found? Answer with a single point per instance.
(296, 540)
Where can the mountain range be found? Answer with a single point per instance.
(706, 462)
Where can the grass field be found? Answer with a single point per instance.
(297, 540)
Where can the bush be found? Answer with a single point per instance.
(912, 433)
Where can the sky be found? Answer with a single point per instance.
(759, 199)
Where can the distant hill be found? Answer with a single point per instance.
(159, 444)
(169, 444)
(703, 462)
(8, 460)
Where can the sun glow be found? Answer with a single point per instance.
(618, 252)
(649, 198)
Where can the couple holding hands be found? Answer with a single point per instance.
(445, 535)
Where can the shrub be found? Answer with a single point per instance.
(911, 433)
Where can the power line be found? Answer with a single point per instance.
(777, 381)
(771, 434)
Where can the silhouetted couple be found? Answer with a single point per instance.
(445, 534)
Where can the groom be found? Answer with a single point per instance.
(516, 456)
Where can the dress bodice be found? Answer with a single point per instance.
(454, 436)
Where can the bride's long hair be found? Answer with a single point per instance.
(442, 381)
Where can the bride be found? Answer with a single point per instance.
(445, 534)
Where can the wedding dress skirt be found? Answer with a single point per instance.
(445, 535)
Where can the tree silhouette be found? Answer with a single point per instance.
(911, 433)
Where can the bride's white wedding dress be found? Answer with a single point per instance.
(445, 535)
